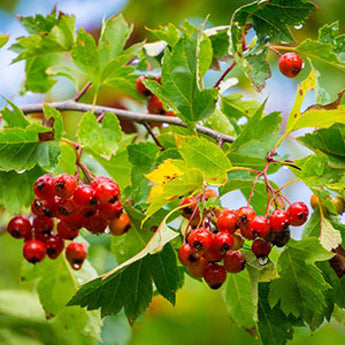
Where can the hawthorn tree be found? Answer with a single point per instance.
(162, 186)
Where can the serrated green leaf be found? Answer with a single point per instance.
(54, 118)
(300, 288)
(219, 122)
(14, 118)
(233, 106)
(168, 33)
(67, 160)
(3, 39)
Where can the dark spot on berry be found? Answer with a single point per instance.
(192, 258)
(295, 70)
(128, 226)
(40, 185)
(225, 247)
(188, 211)
(244, 219)
(37, 203)
(197, 245)
(93, 201)
(60, 186)
(301, 215)
(63, 211)
(51, 251)
(215, 286)
(15, 233)
(112, 200)
(34, 260)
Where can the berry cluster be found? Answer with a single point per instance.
(153, 104)
(222, 234)
(94, 207)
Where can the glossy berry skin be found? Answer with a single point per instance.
(43, 225)
(314, 201)
(290, 64)
(281, 238)
(96, 224)
(212, 254)
(279, 220)
(34, 251)
(244, 215)
(41, 207)
(227, 221)
(186, 256)
(234, 261)
(223, 241)
(197, 269)
(210, 193)
(76, 254)
(107, 192)
(84, 195)
(260, 226)
(66, 207)
(214, 275)
(65, 232)
(74, 221)
(142, 89)
(54, 245)
(110, 211)
(44, 187)
(200, 240)
(339, 204)
(120, 225)
(100, 179)
(19, 227)
(154, 105)
(261, 248)
(64, 185)
(298, 213)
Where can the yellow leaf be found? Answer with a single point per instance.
(165, 172)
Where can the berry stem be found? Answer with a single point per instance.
(82, 92)
(224, 74)
(287, 184)
(153, 136)
(274, 50)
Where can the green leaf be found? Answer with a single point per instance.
(103, 138)
(67, 160)
(54, 119)
(14, 118)
(206, 156)
(168, 33)
(180, 88)
(219, 122)
(3, 39)
(234, 106)
(300, 288)
(330, 237)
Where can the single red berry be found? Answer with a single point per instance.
(227, 221)
(244, 215)
(214, 275)
(44, 187)
(192, 203)
(43, 225)
(210, 193)
(100, 179)
(223, 241)
(197, 268)
(74, 221)
(76, 253)
(110, 211)
(120, 225)
(41, 207)
(212, 254)
(141, 87)
(260, 226)
(64, 185)
(200, 240)
(279, 220)
(66, 207)
(55, 245)
(234, 261)
(34, 251)
(290, 64)
(107, 192)
(84, 195)
(281, 238)
(246, 233)
(298, 213)
(261, 248)
(65, 232)
(186, 256)
(154, 105)
(96, 224)
(19, 227)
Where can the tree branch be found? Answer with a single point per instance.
(71, 105)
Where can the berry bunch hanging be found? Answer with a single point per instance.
(95, 207)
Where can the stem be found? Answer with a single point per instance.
(246, 169)
(153, 136)
(290, 164)
(253, 187)
(287, 184)
(224, 74)
(82, 92)
(274, 50)
(189, 222)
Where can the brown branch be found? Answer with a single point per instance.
(71, 105)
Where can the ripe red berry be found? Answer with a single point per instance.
(213, 255)
(65, 232)
(234, 261)
(64, 185)
(74, 221)
(261, 248)
(227, 221)
(260, 226)
(192, 203)
(43, 225)
(279, 220)
(19, 227)
(54, 245)
(186, 256)
(100, 179)
(281, 238)
(197, 268)
(44, 187)
(110, 211)
(76, 253)
(66, 207)
(107, 192)
(120, 225)
(200, 240)
(154, 105)
(96, 224)
(244, 215)
(290, 64)
(34, 251)
(214, 275)
(298, 213)
(84, 195)
(223, 241)
(141, 87)
(41, 207)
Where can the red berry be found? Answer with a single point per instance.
(64, 185)
(44, 187)
(34, 251)
(100, 179)
(234, 261)
(213, 255)
(260, 226)
(84, 195)
(281, 238)
(227, 221)
(154, 105)
(65, 232)
(66, 207)
(192, 203)
(43, 225)
(55, 245)
(214, 275)
(197, 269)
(41, 207)
(76, 253)
(279, 220)
(200, 240)
(110, 211)
(223, 241)
(170, 113)
(261, 248)
(120, 225)
(96, 224)
(107, 192)
(298, 213)
(141, 87)
(244, 215)
(74, 221)
(186, 256)
(19, 227)
(290, 64)
(246, 233)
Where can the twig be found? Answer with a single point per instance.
(82, 92)
(153, 136)
(224, 74)
(127, 115)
